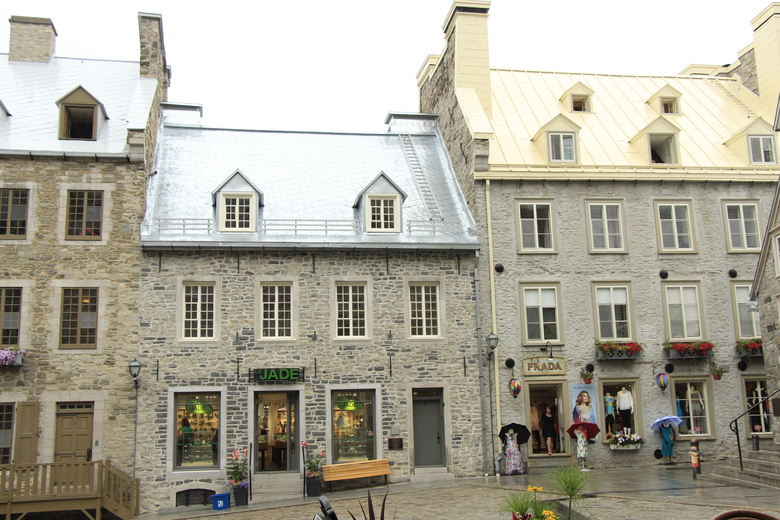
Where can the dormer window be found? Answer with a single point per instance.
(659, 142)
(762, 149)
(580, 104)
(666, 100)
(663, 148)
(79, 115)
(578, 98)
(669, 106)
(383, 214)
(562, 147)
(236, 212)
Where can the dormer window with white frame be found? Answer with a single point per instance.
(79, 115)
(762, 149)
(580, 103)
(557, 140)
(238, 204)
(755, 142)
(666, 100)
(659, 142)
(669, 106)
(663, 149)
(383, 214)
(578, 98)
(562, 147)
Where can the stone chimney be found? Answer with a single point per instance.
(153, 62)
(32, 39)
(766, 42)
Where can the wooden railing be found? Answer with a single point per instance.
(27, 488)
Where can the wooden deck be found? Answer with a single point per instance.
(81, 486)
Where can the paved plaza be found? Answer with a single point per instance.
(643, 493)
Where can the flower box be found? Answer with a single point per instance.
(617, 354)
(690, 354)
(615, 447)
(750, 348)
(689, 350)
(13, 356)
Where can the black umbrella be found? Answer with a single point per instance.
(521, 432)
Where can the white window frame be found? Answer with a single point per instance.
(747, 324)
(425, 315)
(338, 309)
(211, 281)
(605, 233)
(227, 217)
(584, 101)
(667, 144)
(765, 143)
(269, 311)
(535, 222)
(702, 385)
(663, 226)
(560, 137)
(612, 291)
(540, 302)
(749, 400)
(682, 309)
(742, 228)
(384, 224)
(671, 102)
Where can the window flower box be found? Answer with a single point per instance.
(692, 350)
(615, 447)
(750, 348)
(12, 356)
(623, 441)
(609, 350)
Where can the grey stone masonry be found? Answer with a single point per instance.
(32, 39)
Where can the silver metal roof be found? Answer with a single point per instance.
(309, 182)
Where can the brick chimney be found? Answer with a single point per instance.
(766, 42)
(32, 39)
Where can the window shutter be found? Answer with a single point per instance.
(26, 439)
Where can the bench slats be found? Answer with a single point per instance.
(350, 470)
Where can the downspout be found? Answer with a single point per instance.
(493, 300)
(485, 460)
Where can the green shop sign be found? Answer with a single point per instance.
(278, 374)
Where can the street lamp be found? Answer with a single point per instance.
(492, 341)
(135, 368)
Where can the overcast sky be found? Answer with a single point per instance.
(342, 66)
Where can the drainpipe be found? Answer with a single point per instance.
(493, 300)
(485, 463)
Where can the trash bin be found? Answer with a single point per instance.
(220, 501)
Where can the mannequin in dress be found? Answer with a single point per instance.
(514, 462)
(697, 409)
(625, 406)
(609, 411)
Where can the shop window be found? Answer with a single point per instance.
(6, 432)
(353, 425)
(620, 409)
(692, 407)
(424, 309)
(196, 438)
(13, 214)
(79, 323)
(277, 311)
(85, 215)
(760, 417)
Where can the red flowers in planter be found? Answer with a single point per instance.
(629, 348)
(695, 347)
(749, 346)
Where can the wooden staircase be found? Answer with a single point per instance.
(761, 468)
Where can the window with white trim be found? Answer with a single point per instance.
(277, 310)
(540, 313)
(748, 322)
(742, 226)
(692, 405)
(424, 309)
(669, 106)
(562, 147)
(10, 315)
(759, 418)
(606, 227)
(383, 214)
(580, 103)
(683, 312)
(350, 310)
(762, 149)
(675, 226)
(13, 213)
(535, 223)
(85, 215)
(237, 212)
(614, 323)
(199, 311)
(79, 318)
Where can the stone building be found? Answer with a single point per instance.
(76, 139)
(304, 287)
(625, 209)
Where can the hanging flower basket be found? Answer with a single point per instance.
(693, 350)
(12, 356)
(750, 348)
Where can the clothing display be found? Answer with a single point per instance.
(582, 444)
(514, 462)
(667, 440)
(625, 406)
(609, 404)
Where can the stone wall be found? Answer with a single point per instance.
(388, 360)
(32, 39)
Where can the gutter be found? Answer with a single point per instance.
(254, 246)
(39, 154)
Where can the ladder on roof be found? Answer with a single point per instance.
(419, 177)
(731, 97)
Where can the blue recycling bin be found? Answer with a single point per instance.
(220, 501)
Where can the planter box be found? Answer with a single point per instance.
(759, 352)
(673, 354)
(616, 354)
(615, 447)
(18, 360)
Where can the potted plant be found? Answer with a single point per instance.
(239, 477)
(586, 375)
(617, 350)
(693, 349)
(750, 347)
(716, 372)
(623, 441)
(313, 465)
(12, 355)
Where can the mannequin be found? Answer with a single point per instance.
(609, 410)
(667, 439)
(759, 416)
(697, 409)
(625, 406)
(514, 462)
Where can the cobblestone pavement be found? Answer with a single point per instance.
(650, 493)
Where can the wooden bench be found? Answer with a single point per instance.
(350, 470)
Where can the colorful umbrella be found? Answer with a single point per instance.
(521, 432)
(673, 420)
(591, 429)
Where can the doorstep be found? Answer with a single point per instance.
(430, 474)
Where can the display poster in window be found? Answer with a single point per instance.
(585, 408)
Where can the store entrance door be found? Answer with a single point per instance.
(428, 427)
(277, 432)
(542, 396)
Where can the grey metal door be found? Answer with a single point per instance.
(428, 427)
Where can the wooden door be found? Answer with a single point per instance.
(74, 436)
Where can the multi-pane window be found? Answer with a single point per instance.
(536, 230)
(13, 213)
(350, 310)
(742, 220)
(237, 213)
(691, 403)
(748, 323)
(79, 318)
(382, 214)
(613, 315)
(605, 226)
(352, 416)
(198, 311)
(85, 215)
(6, 432)
(682, 307)
(541, 314)
(675, 226)
(424, 309)
(277, 311)
(762, 149)
(562, 147)
(10, 312)
(759, 413)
